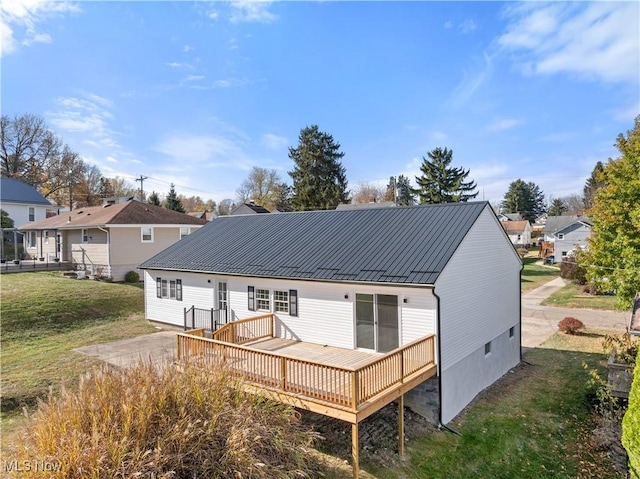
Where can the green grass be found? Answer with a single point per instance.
(44, 317)
(534, 275)
(571, 297)
(535, 423)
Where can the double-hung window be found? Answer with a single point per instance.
(31, 239)
(169, 288)
(147, 234)
(46, 237)
(184, 231)
(85, 235)
(281, 301)
(263, 302)
(32, 213)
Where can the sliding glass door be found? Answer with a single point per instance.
(377, 322)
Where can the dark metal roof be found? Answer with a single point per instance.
(409, 245)
(14, 191)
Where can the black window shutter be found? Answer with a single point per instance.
(159, 287)
(179, 289)
(251, 298)
(293, 302)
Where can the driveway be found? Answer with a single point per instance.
(539, 322)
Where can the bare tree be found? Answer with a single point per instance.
(262, 186)
(224, 208)
(366, 192)
(574, 204)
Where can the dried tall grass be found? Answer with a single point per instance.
(166, 423)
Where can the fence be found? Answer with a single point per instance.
(208, 319)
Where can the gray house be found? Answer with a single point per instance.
(566, 233)
(366, 281)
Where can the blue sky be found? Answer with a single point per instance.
(196, 93)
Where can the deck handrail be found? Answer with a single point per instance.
(348, 387)
(231, 332)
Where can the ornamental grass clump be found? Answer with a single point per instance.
(166, 423)
(570, 325)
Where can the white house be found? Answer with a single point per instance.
(566, 233)
(519, 232)
(365, 279)
(22, 202)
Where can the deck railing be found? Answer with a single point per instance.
(246, 330)
(342, 386)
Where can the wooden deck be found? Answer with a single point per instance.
(341, 383)
(346, 384)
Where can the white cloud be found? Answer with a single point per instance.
(627, 113)
(471, 81)
(503, 124)
(596, 41)
(204, 151)
(111, 159)
(194, 78)
(448, 24)
(19, 20)
(213, 15)
(251, 11)
(177, 65)
(467, 26)
(274, 142)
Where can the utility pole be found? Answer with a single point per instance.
(141, 180)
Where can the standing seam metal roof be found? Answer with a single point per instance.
(407, 245)
(15, 191)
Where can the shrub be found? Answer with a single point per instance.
(571, 269)
(570, 325)
(624, 345)
(148, 421)
(631, 424)
(131, 277)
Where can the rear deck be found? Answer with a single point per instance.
(342, 383)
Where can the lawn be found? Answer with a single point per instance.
(44, 317)
(534, 275)
(536, 422)
(572, 297)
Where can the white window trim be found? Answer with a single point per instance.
(281, 302)
(46, 237)
(32, 213)
(187, 229)
(259, 299)
(84, 235)
(142, 234)
(32, 240)
(561, 236)
(487, 349)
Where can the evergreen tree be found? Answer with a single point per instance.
(557, 207)
(524, 198)
(106, 188)
(399, 190)
(319, 179)
(172, 202)
(593, 183)
(440, 183)
(153, 199)
(5, 220)
(613, 257)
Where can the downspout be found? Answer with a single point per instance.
(108, 249)
(441, 425)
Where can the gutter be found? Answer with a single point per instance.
(439, 365)
(108, 247)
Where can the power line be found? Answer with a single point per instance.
(141, 180)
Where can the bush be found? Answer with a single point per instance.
(631, 424)
(166, 422)
(571, 269)
(132, 277)
(570, 325)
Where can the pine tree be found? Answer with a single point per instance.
(400, 191)
(524, 198)
(440, 183)
(593, 183)
(172, 202)
(319, 179)
(153, 199)
(557, 207)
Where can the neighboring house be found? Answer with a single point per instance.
(108, 240)
(519, 232)
(360, 206)
(566, 233)
(22, 202)
(205, 215)
(247, 209)
(370, 280)
(509, 216)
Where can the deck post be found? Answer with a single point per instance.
(178, 352)
(212, 323)
(283, 373)
(355, 450)
(401, 425)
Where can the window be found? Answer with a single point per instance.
(263, 302)
(85, 235)
(281, 301)
(184, 232)
(171, 289)
(251, 298)
(31, 239)
(32, 213)
(487, 348)
(46, 237)
(564, 254)
(223, 296)
(560, 236)
(147, 234)
(519, 237)
(511, 332)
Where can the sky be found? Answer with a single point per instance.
(198, 93)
